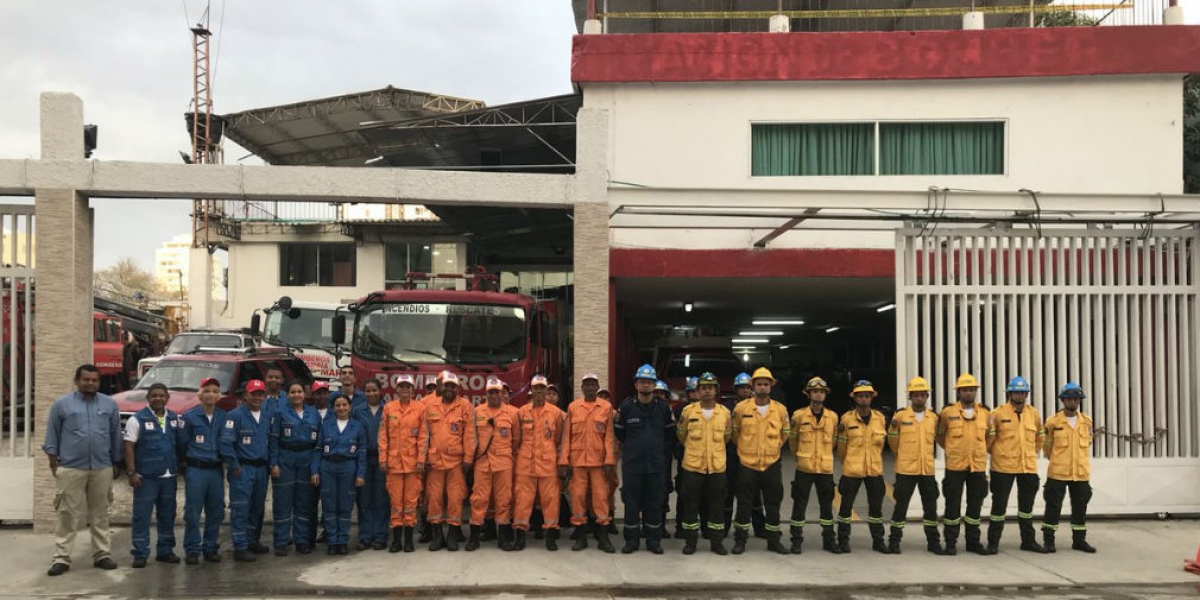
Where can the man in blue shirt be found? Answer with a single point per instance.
(349, 389)
(83, 445)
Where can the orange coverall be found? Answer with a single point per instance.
(403, 442)
(538, 459)
(494, 462)
(590, 447)
(451, 445)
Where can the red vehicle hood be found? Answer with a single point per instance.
(180, 401)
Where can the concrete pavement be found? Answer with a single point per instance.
(1142, 558)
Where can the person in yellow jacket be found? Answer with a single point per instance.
(861, 434)
(1015, 436)
(703, 429)
(760, 427)
(813, 436)
(911, 437)
(962, 432)
(1069, 446)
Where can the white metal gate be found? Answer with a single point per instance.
(16, 361)
(1112, 309)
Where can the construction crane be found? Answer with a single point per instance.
(205, 129)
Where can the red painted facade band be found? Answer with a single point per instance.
(845, 56)
(800, 262)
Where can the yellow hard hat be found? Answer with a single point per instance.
(762, 373)
(918, 384)
(816, 383)
(863, 386)
(966, 380)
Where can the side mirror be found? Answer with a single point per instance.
(293, 313)
(255, 323)
(284, 303)
(338, 335)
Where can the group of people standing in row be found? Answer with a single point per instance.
(434, 454)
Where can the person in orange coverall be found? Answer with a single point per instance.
(451, 451)
(497, 429)
(591, 452)
(541, 463)
(402, 442)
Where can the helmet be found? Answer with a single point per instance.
(763, 373)
(1071, 390)
(918, 384)
(1017, 384)
(661, 386)
(494, 383)
(741, 379)
(816, 383)
(645, 372)
(966, 380)
(692, 382)
(862, 385)
(707, 378)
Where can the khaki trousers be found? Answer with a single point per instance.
(84, 497)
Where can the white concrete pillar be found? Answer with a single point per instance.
(779, 24)
(63, 246)
(199, 288)
(1173, 15)
(591, 246)
(593, 26)
(973, 20)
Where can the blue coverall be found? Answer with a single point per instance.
(341, 460)
(204, 488)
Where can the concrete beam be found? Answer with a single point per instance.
(294, 184)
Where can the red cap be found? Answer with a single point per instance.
(256, 385)
(210, 380)
(320, 385)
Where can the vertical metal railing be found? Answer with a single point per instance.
(16, 351)
(1112, 309)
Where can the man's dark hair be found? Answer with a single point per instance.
(273, 368)
(89, 368)
(158, 385)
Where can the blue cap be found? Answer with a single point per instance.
(1071, 390)
(645, 372)
(1017, 384)
(661, 386)
(692, 382)
(741, 379)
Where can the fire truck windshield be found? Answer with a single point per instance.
(441, 333)
(311, 329)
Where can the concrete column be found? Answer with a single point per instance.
(591, 246)
(973, 20)
(779, 24)
(1173, 15)
(593, 26)
(199, 294)
(63, 241)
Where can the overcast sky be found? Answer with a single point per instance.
(130, 62)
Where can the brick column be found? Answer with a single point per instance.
(63, 242)
(591, 246)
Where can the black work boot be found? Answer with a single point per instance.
(951, 533)
(654, 544)
(453, 532)
(894, 536)
(397, 539)
(843, 536)
(632, 543)
(829, 540)
(739, 541)
(797, 540)
(580, 536)
(1029, 537)
(504, 537)
(408, 539)
(602, 540)
(439, 539)
(716, 543)
(489, 533)
(972, 537)
(878, 543)
(426, 533)
(476, 533)
(552, 540)
(1079, 541)
(775, 543)
(1048, 541)
(689, 544)
(933, 542)
(519, 540)
(994, 532)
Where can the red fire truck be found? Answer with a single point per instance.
(476, 333)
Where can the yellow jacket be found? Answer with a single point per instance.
(704, 439)
(965, 440)
(759, 438)
(860, 445)
(813, 440)
(1069, 448)
(912, 441)
(1015, 441)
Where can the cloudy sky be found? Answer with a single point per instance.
(130, 62)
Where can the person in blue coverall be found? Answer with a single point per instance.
(151, 455)
(204, 483)
(293, 442)
(244, 449)
(339, 469)
(373, 503)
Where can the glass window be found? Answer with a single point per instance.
(813, 149)
(441, 333)
(317, 264)
(974, 148)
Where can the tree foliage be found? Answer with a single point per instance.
(1191, 135)
(1064, 19)
(125, 278)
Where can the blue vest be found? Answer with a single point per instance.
(243, 438)
(200, 438)
(157, 445)
(349, 444)
(294, 432)
(371, 424)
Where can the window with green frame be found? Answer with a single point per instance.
(812, 149)
(941, 148)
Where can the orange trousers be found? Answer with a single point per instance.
(583, 481)
(493, 493)
(404, 489)
(546, 489)
(445, 491)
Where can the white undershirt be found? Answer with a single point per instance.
(374, 409)
(762, 410)
(133, 432)
(920, 416)
(969, 413)
(342, 425)
(1073, 421)
(257, 414)
(322, 412)
(708, 412)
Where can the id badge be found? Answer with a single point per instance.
(200, 439)
(246, 441)
(287, 432)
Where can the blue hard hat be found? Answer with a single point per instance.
(692, 382)
(1018, 384)
(645, 372)
(741, 379)
(661, 386)
(1071, 390)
